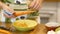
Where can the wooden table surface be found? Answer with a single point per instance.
(40, 29)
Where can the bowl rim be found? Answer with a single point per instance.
(26, 27)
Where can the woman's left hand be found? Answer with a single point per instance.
(36, 4)
(5, 7)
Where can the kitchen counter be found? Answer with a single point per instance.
(40, 29)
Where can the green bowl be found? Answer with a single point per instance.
(57, 29)
(31, 25)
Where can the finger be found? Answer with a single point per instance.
(8, 9)
(7, 16)
(32, 4)
(36, 5)
(38, 8)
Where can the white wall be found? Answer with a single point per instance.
(58, 13)
(49, 8)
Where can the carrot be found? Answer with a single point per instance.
(18, 13)
(4, 31)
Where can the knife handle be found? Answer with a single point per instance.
(7, 12)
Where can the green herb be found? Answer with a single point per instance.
(17, 18)
(34, 14)
(8, 20)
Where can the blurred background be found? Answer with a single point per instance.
(50, 11)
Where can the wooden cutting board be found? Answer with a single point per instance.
(40, 29)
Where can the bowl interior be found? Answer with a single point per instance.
(25, 24)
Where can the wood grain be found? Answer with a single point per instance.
(40, 29)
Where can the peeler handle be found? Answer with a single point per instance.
(7, 12)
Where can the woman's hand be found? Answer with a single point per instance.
(9, 10)
(5, 7)
(36, 4)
